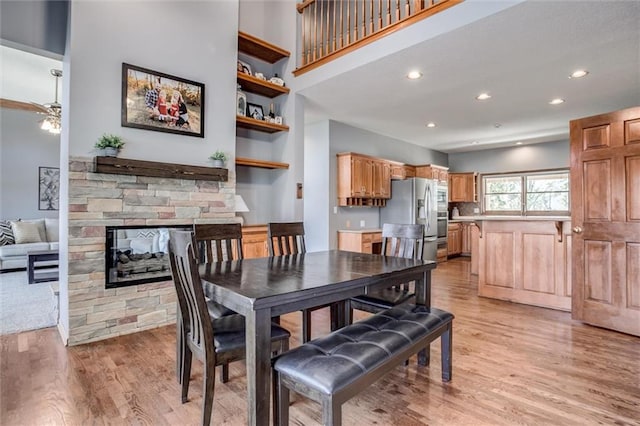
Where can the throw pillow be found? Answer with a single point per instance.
(51, 226)
(6, 233)
(26, 232)
(41, 230)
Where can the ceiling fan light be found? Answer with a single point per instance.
(46, 125)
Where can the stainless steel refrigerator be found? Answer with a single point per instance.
(415, 201)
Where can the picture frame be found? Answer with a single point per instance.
(48, 188)
(154, 100)
(241, 104)
(255, 111)
(244, 67)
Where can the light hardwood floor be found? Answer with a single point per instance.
(512, 364)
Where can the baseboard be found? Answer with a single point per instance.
(64, 335)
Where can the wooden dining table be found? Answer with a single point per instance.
(268, 287)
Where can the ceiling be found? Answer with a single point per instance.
(521, 56)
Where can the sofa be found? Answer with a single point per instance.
(18, 237)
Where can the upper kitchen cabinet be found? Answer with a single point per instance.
(363, 180)
(462, 187)
(431, 171)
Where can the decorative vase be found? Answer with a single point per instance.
(217, 163)
(111, 152)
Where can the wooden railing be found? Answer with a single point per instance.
(331, 28)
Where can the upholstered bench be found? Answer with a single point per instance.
(332, 369)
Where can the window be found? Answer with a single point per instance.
(534, 193)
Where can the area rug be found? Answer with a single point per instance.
(25, 306)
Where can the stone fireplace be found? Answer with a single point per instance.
(100, 201)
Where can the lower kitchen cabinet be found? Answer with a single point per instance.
(526, 262)
(254, 241)
(369, 241)
(454, 238)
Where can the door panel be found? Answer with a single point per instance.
(500, 259)
(605, 199)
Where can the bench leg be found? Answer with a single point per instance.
(446, 345)
(424, 356)
(331, 412)
(280, 401)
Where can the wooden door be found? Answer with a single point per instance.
(605, 206)
(360, 176)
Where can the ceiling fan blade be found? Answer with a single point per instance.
(23, 106)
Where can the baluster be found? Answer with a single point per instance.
(364, 19)
(370, 17)
(304, 45)
(418, 5)
(379, 15)
(321, 54)
(341, 24)
(398, 10)
(407, 9)
(355, 22)
(315, 30)
(388, 12)
(335, 28)
(328, 46)
(348, 22)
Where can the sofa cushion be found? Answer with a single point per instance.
(22, 249)
(51, 228)
(41, 229)
(6, 233)
(54, 245)
(26, 232)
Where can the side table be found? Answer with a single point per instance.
(46, 273)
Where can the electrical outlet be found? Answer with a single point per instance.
(335, 209)
(476, 210)
(362, 224)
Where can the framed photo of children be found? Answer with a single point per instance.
(157, 101)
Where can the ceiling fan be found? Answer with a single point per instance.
(52, 111)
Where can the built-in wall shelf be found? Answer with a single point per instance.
(259, 125)
(125, 166)
(252, 162)
(260, 49)
(252, 84)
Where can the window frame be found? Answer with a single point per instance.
(523, 175)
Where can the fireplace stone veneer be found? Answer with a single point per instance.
(99, 200)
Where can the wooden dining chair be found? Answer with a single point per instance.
(286, 239)
(213, 341)
(214, 242)
(399, 241)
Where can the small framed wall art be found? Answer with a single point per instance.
(48, 188)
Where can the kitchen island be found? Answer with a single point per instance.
(524, 259)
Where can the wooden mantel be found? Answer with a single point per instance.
(125, 166)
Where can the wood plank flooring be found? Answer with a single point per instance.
(512, 364)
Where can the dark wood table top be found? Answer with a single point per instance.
(267, 281)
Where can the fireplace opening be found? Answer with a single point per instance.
(137, 254)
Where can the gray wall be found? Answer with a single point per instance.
(36, 25)
(345, 138)
(318, 202)
(23, 148)
(552, 155)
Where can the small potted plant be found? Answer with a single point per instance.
(218, 158)
(109, 144)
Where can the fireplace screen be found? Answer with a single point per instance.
(137, 254)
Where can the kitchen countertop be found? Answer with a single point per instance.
(360, 231)
(513, 218)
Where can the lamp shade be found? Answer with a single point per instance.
(241, 206)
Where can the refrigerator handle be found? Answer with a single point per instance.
(427, 202)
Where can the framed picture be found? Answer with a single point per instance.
(241, 104)
(255, 111)
(153, 100)
(48, 188)
(244, 67)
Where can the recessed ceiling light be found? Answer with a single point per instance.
(475, 143)
(578, 73)
(431, 125)
(556, 101)
(497, 125)
(518, 143)
(483, 96)
(414, 75)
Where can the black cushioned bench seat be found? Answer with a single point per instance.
(334, 368)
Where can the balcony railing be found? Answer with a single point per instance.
(331, 28)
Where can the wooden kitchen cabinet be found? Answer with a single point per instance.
(526, 262)
(363, 180)
(254, 241)
(402, 171)
(466, 237)
(462, 187)
(475, 246)
(454, 239)
(431, 171)
(360, 241)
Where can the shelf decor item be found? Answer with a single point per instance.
(157, 101)
(109, 145)
(241, 103)
(255, 111)
(244, 67)
(218, 158)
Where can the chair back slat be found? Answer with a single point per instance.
(286, 238)
(400, 240)
(218, 242)
(196, 322)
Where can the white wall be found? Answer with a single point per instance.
(552, 155)
(318, 203)
(24, 147)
